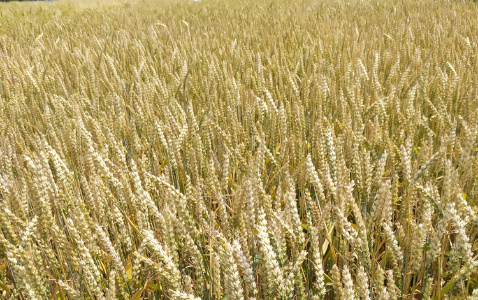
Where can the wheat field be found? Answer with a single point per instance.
(305, 149)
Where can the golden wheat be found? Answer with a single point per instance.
(218, 150)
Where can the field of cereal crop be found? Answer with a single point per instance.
(305, 149)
